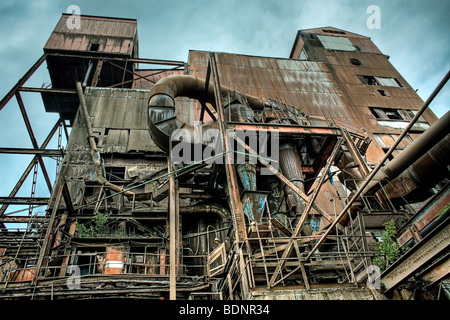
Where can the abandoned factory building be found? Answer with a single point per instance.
(320, 175)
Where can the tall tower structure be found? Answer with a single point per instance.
(379, 101)
(229, 175)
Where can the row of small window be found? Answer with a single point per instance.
(394, 114)
(379, 81)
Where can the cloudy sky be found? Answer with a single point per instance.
(415, 34)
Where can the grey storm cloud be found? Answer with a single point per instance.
(413, 33)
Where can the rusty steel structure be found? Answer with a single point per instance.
(228, 177)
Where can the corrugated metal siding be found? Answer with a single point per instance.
(121, 118)
(117, 36)
(305, 84)
(359, 96)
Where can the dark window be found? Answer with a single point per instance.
(369, 80)
(89, 190)
(115, 173)
(375, 113)
(94, 47)
(382, 92)
(410, 113)
(391, 157)
(355, 62)
(386, 114)
(333, 31)
(398, 82)
(393, 114)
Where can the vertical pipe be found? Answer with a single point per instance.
(88, 73)
(172, 231)
(291, 167)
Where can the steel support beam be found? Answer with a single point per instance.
(354, 152)
(22, 219)
(233, 190)
(43, 90)
(45, 249)
(422, 253)
(305, 214)
(28, 169)
(39, 152)
(67, 198)
(22, 81)
(285, 129)
(436, 272)
(132, 60)
(173, 230)
(24, 200)
(33, 140)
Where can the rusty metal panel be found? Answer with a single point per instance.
(427, 249)
(113, 35)
(302, 84)
(425, 216)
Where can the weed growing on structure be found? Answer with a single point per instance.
(388, 249)
(96, 228)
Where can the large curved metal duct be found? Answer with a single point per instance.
(423, 174)
(162, 119)
(433, 136)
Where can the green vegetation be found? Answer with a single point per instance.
(99, 227)
(443, 210)
(388, 249)
(96, 228)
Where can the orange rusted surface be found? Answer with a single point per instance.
(112, 35)
(115, 259)
(23, 275)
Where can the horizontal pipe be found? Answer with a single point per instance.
(429, 169)
(192, 87)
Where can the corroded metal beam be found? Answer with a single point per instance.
(305, 214)
(40, 152)
(22, 81)
(423, 252)
(284, 129)
(23, 200)
(233, 188)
